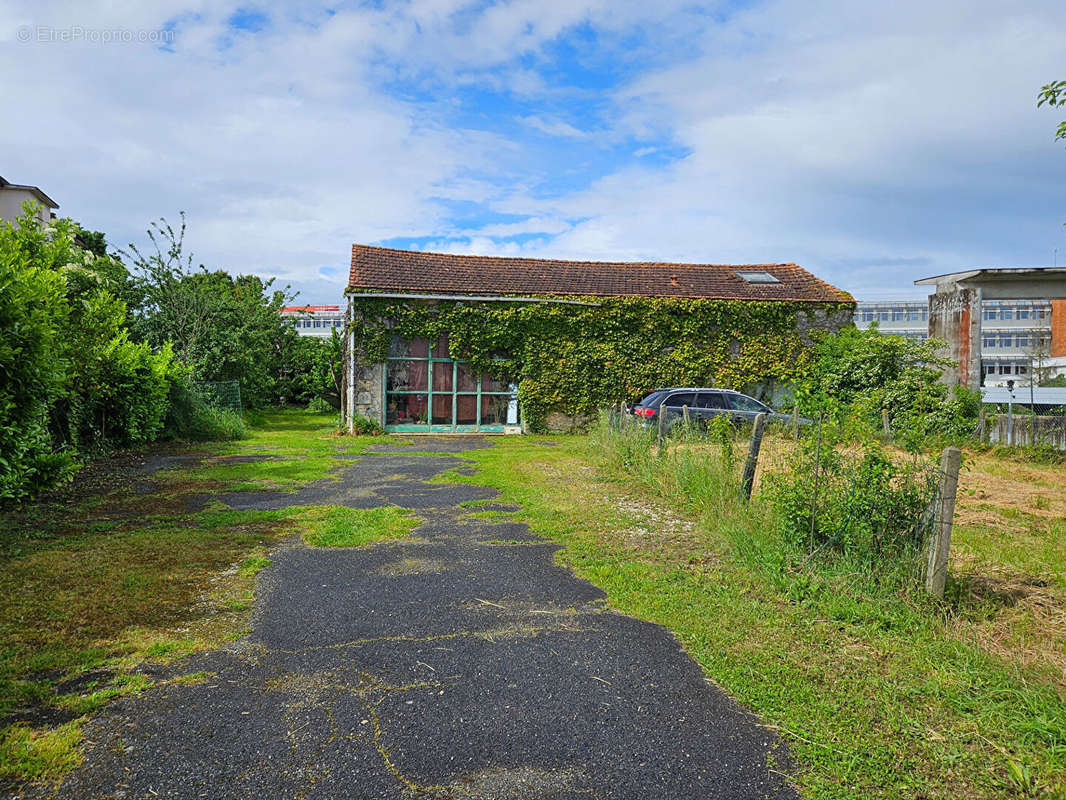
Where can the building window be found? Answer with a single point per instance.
(1021, 369)
(990, 314)
(1006, 313)
(882, 316)
(989, 341)
(1004, 369)
(1005, 340)
(867, 316)
(990, 369)
(1023, 313)
(898, 315)
(915, 316)
(1021, 341)
(426, 389)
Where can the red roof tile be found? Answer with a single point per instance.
(312, 309)
(384, 269)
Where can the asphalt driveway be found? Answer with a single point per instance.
(461, 662)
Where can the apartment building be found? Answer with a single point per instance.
(315, 320)
(1016, 335)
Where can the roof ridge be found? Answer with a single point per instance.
(394, 270)
(574, 261)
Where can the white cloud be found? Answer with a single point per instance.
(553, 126)
(872, 144)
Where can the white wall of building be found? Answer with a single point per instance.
(11, 200)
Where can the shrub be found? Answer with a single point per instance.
(319, 405)
(32, 316)
(853, 499)
(363, 426)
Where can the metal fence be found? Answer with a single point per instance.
(221, 394)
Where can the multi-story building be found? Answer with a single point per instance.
(1015, 334)
(315, 320)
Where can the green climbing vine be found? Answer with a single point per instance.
(578, 358)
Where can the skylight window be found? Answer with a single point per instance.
(756, 276)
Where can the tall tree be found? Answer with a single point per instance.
(225, 328)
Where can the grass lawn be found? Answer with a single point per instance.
(877, 695)
(111, 575)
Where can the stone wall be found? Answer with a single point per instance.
(821, 319)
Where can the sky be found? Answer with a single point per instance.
(873, 144)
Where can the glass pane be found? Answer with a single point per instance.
(400, 348)
(742, 403)
(405, 409)
(466, 409)
(440, 349)
(410, 376)
(710, 400)
(499, 409)
(491, 384)
(442, 409)
(467, 380)
(442, 376)
(681, 399)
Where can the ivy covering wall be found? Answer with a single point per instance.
(575, 359)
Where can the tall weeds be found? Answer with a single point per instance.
(829, 504)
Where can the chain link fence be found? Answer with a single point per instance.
(221, 394)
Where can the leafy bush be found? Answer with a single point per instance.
(32, 318)
(120, 398)
(363, 426)
(868, 373)
(319, 405)
(858, 502)
(311, 371)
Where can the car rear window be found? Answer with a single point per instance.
(651, 399)
(678, 399)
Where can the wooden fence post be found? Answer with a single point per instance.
(748, 480)
(884, 423)
(982, 425)
(661, 421)
(685, 417)
(936, 571)
(795, 420)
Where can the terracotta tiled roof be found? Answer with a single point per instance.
(305, 309)
(383, 269)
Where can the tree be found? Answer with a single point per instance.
(1054, 94)
(223, 328)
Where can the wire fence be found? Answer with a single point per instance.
(221, 394)
(866, 499)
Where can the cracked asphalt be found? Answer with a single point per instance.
(461, 662)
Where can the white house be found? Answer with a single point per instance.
(13, 195)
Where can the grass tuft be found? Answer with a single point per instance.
(355, 527)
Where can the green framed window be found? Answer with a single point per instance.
(427, 391)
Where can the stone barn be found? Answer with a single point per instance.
(441, 343)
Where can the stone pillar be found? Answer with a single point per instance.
(955, 317)
(364, 383)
